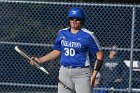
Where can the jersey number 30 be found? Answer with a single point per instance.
(69, 51)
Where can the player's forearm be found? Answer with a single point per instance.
(97, 66)
(99, 61)
(51, 56)
(94, 73)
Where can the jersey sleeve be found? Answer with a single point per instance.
(57, 44)
(93, 44)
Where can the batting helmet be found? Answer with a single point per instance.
(76, 12)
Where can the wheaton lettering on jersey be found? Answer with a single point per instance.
(71, 44)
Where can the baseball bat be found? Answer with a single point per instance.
(25, 55)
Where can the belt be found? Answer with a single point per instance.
(76, 66)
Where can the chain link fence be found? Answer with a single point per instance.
(33, 26)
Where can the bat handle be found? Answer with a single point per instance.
(65, 87)
(34, 62)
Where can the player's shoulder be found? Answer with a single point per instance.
(64, 29)
(87, 31)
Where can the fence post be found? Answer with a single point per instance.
(132, 46)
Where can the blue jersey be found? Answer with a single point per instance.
(76, 48)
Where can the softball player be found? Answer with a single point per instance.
(75, 45)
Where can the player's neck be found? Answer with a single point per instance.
(74, 31)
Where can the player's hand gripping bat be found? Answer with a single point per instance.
(25, 55)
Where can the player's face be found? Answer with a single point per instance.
(75, 23)
(114, 52)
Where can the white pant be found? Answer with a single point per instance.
(77, 79)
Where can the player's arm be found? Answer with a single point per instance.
(99, 61)
(51, 56)
(97, 66)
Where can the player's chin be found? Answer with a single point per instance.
(75, 26)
